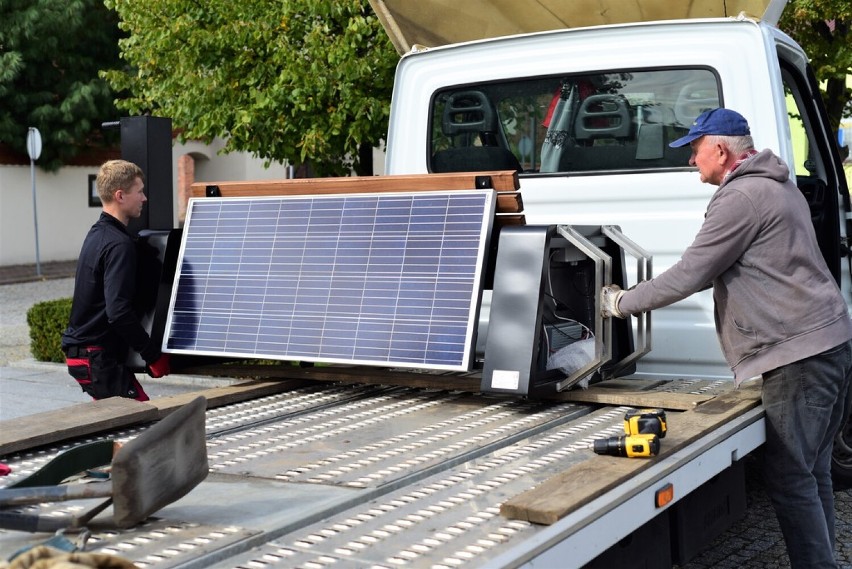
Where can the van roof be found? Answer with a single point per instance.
(434, 23)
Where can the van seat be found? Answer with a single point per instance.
(474, 159)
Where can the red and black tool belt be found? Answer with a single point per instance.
(100, 374)
(80, 352)
(77, 360)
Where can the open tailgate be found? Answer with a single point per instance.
(432, 23)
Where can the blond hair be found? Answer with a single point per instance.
(116, 175)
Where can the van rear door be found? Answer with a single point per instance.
(814, 158)
(434, 23)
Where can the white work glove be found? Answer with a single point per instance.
(610, 296)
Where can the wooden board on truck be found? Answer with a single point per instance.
(567, 491)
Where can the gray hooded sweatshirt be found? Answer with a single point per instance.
(775, 299)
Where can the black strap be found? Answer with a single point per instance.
(76, 352)
(73, 461)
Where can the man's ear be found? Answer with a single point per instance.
(723, 153)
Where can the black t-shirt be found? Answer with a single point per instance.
(102, 312)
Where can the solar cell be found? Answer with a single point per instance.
(377, 279)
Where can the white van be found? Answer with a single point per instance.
(585, 116)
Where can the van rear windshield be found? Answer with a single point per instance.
(576, 123)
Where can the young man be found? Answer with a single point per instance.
(779, 314)
(103, 325)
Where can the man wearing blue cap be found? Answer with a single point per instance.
(779, 314)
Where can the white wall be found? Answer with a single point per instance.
(64, 216)
(211, 166)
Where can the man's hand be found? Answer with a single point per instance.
(160, 367)
(610, 295)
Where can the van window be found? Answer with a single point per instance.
(576, 123)
(816, 174)
(798, 134)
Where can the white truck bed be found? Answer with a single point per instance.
(378, 476)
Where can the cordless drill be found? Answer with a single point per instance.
(628, 445)
(643, 429)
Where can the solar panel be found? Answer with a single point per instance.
(377, 279)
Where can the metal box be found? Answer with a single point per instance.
(547, 282)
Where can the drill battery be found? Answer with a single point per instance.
(645, 422)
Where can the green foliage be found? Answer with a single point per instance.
(47, 321)
(822, 28)
(298, 80)
(50, 55)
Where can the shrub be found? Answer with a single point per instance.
(47, 321)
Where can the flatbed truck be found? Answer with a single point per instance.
(329, 466)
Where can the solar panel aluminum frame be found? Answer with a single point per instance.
(484, 199)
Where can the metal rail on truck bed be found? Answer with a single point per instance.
(381, 476)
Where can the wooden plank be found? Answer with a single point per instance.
(630, 384)
(623, 395)
(504, 220)
(78, 420)
(409, 379)
(502, 181)
(226, 395)
(343, 374)
(632, 392)
(567, 491)
(509, 202)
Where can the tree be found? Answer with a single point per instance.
(50, 55)
(298, 80)
(310, 80)
(821, 27)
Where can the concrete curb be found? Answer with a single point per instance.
(173, 379)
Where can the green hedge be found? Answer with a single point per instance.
(47, 321)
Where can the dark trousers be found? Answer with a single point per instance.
(101, 373)
(806, 404)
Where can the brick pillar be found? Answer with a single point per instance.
(185, 178)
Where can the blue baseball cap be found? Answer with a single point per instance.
(715, 121)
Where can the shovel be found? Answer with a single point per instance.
(158, 467)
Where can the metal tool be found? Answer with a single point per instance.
(631, 446)
(156, 468)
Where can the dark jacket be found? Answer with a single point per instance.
(775, 299)
(102, 312)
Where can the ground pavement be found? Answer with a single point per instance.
(27, 387)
